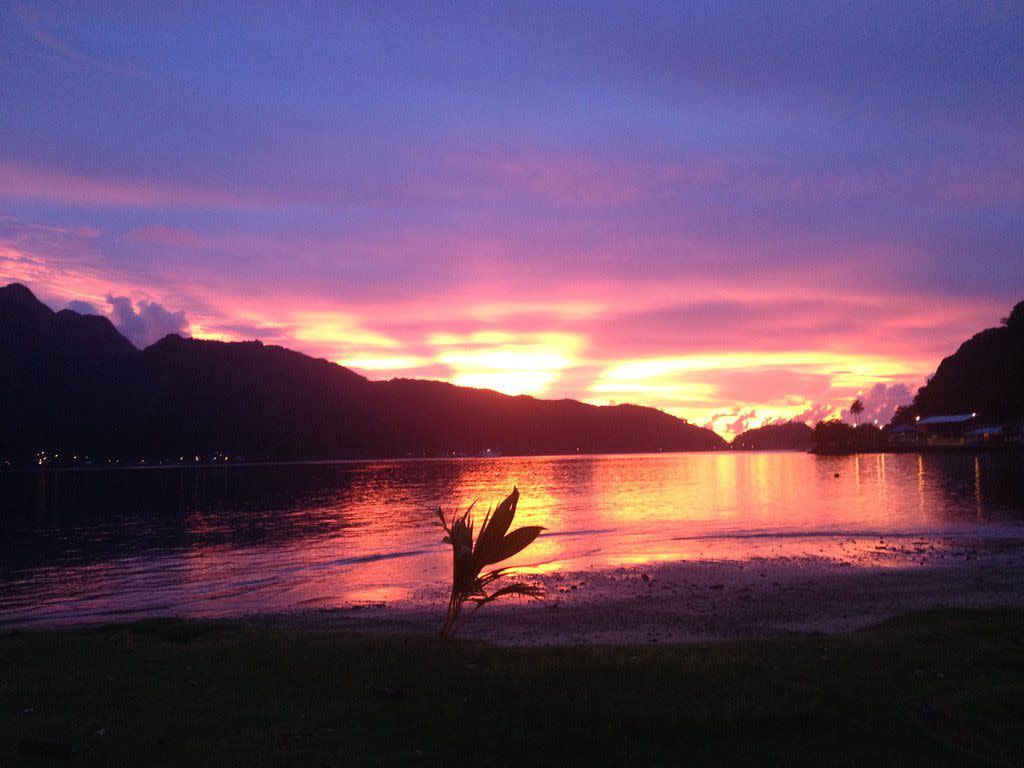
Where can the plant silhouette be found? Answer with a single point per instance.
(493, 544)
(856, 409)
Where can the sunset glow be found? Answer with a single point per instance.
(733, 238)
(371, 370)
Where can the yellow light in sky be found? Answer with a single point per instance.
(853, 366)
(699, 391)
(715, 388)
(516, 364)
(685, 385)
(199, 332)
(467, 339)
(385, 363)
(510, 382)
(338, 329)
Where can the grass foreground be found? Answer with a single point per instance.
(938, 688)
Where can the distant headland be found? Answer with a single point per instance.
(974, 400)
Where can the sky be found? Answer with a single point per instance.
(736, 212)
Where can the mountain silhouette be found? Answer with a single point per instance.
(71, 382)
(984, 376)
(791, 436)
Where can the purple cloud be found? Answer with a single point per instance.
(815, 413)
(880, 403)
(148, 324)
(83, 308)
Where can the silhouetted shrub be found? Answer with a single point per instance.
(493, 544)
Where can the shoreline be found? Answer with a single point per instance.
(708, 601)
(883, 659)
(854, 583)
(241, 463)
(16, 467)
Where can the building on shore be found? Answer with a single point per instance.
(953, 431)
(947, 430)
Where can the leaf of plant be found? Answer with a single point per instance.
(461, 536)
(492, 576)
(526, 590)
(496, 527)
(469, 558)
(515, 542)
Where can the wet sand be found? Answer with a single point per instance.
(717, 600)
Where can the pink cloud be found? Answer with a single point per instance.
(880, 403)
(64, 186)
(815, 413)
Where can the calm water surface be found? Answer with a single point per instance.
(92, 545)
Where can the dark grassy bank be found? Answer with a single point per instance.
(943, 688)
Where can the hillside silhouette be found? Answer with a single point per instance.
(71, 382)
(791, 436)
(984, 376)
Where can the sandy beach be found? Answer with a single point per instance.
(715, 600)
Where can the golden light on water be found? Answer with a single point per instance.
(346, 533)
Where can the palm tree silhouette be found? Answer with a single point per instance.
(856, 409)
